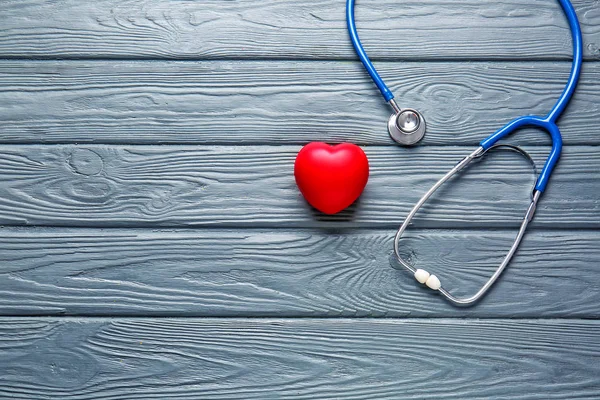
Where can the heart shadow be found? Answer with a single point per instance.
(346, 215)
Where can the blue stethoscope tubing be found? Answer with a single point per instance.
(362, 54)
(548, 123)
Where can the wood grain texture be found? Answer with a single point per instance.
(113, 148)
(293, 274)
(253, 186)
(279, 102)
(298, 359)
(432, 29)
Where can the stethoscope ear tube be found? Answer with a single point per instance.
(537, 122)
(432, 281)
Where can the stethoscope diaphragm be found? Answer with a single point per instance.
(406, 127)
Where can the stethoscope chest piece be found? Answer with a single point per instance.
(406, 127)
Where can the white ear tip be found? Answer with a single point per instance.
(421, 275)
(433, 282)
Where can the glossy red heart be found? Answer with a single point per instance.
(331, 177)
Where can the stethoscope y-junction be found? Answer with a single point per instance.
(407, 126)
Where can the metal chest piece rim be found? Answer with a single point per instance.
(406, 126)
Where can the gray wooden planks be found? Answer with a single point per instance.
(215, 273)
(253, 186)
(282, 102)
(298, 359)
(432, 29)
(221, 268)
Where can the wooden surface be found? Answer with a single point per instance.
(275, 29)
(284, 273)
(290, 102)
(253, 186)
(299, 359)
(153, 243)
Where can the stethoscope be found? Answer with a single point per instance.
(407, 126)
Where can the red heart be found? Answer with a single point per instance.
(331, 177)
